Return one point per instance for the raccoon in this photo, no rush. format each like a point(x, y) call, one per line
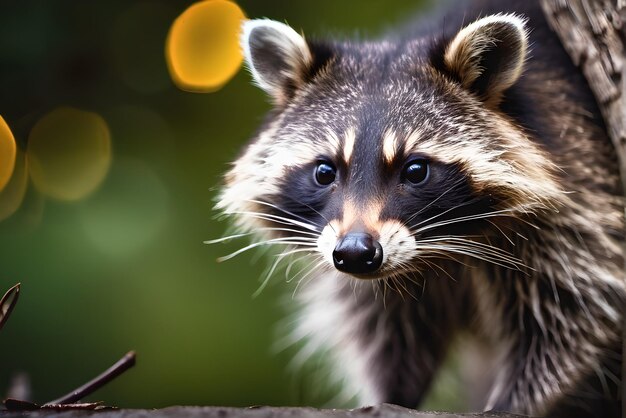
point(451, 177)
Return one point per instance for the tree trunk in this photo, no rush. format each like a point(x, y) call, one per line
point(594, 34)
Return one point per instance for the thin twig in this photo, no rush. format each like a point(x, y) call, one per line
point(118, 368)
point(7, 303)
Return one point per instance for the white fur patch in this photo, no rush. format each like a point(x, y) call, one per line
point(399, 248)
point(282, 37)
point(508, 161)
point(329, 324)
point(395, 239)
point(463, 54)
point(348, 144)
point(390, 145)
point(260, 170)
point(327, 241)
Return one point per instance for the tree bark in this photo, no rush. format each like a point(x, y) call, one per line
point(594, 34)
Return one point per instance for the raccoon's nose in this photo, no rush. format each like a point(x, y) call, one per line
point(358, 253)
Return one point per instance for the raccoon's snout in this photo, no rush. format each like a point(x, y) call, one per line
point(358, 253)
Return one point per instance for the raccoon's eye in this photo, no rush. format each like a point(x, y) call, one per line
point(416, 171)
point(325, 173)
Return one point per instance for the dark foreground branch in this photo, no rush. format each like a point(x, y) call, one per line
point(68, 402)
point(96, 383)
point(8, 302)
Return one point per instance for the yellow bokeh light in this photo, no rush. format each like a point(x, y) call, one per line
point(202, 48)
point(7, 153)
point(69, 153)
point(12, 196)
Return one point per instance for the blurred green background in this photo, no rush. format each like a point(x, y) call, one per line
point(125, 267)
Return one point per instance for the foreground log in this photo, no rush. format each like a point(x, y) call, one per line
point(386, 411)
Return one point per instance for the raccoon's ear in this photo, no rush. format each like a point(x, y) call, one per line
point(277, 56)
point(487, 56)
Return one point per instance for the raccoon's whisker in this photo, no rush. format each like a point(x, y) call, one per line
point(392, 281)
point(480, 255)
point(384, 287)
point(404, 276)
point(375, 288)
point(308, 274)
point(278, 219)
point(268, 275)
point(462, 240)
point(487, 248)
point(299, 250)
point(246, 234)
point(316, 211)
point(303, 269)
point(402, 265)
point(309, 240)
point(478, 246)
point(460, 205)
point(291, 264)
point(435, 266)
point(228, 238)
point(288, 221)
point(280, 257)
point(432, 217)
point(406, 269)
point(269, 228)
point(446, 256)
point(502, 232)
point(387, 285)
point(398, 282)
point(276, 241)
point(503, 212)
point(443, 254)
point(424, 285)
point(455, 184)
point(302, 218)
point(431, 265)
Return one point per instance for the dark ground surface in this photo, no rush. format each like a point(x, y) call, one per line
point(386, 411)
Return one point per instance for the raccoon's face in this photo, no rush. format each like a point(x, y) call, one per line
point(379, 156)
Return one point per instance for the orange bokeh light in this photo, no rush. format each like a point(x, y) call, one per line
point(202, 48)
point(7, 153)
